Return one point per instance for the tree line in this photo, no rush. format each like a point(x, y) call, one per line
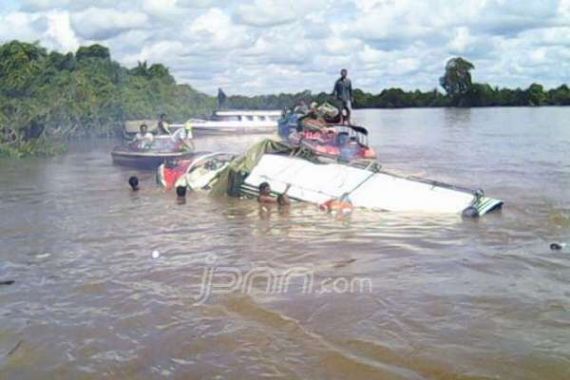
point(47, 97)
point(457, 83)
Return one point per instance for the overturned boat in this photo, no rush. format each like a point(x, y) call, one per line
point(162, 149)
point(310, 180)
point(197, 173)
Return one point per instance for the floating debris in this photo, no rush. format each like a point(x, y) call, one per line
point(13, 350)
point(557, 246)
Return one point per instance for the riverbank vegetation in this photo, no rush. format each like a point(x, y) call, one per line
point(47, 98)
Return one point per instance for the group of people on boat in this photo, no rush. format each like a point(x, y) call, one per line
point(144, 138)
point(326, 129)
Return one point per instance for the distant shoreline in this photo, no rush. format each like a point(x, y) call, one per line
point(47, 97)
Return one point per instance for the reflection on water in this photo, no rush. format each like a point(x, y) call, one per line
point(448, 298)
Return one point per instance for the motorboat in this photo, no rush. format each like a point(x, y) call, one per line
point(150, 156)
point(335, 142)
point(234, 122)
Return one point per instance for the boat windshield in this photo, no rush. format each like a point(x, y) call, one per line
point(160, 144)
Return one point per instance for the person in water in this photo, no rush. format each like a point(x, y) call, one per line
point(181, 195)
point(266, 198)
point(163, 126)
point(143, 138)
point(343, 92)
point(134, 183)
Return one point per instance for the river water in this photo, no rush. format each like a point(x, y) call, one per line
point(375, 295)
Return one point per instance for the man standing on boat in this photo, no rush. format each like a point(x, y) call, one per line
point(343, 92)
point(163, 126)
point(221, 99)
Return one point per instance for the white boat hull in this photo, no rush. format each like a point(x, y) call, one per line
point(224, 128)
point(231, 127)
point(317, 183)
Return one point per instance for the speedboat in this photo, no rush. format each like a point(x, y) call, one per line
point(309, 180)
point(340, 143)
point(196, 173)
point(234, 122)
point(162, 149)
point(343, 143)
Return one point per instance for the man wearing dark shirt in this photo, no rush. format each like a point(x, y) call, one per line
point(343, 92)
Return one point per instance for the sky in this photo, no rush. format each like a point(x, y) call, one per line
point(271, 46)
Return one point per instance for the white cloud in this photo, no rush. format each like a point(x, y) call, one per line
point(160, 8)
point(215, 30)
point(20, 25)
point(267, 46)
point(161, 51)
point(60, 32)
point(105, 23)
point(276, 12)
point(460, 41)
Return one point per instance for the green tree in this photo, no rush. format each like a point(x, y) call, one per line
point(457, 77)
point(559, 96)
point(93, 51)
point(536, 95)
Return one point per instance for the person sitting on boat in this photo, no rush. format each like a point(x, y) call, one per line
point(343, 92)
point(329, 137)
point(143, 138)
point(266, 198)
point(183, 136)
point(349, 149)
point(301, 108)
point(163, 126)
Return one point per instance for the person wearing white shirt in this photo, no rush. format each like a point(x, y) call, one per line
point(144, 138)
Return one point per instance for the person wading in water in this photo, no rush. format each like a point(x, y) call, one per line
point(266, 198)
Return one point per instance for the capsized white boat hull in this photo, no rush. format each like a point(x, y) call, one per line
point(317, 183)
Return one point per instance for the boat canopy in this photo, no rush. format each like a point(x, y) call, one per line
point(244, 164)
point(359, 129)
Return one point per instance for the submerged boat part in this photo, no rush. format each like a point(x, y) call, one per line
point(318, 183)
point(197, 173)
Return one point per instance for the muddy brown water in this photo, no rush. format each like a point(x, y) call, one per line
point(239, 292)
